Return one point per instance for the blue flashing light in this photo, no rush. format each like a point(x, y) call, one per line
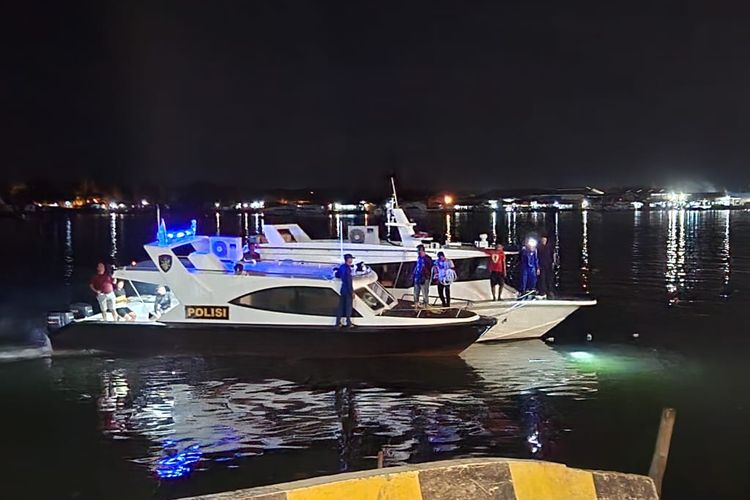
point(166, 238)
point(178, 464)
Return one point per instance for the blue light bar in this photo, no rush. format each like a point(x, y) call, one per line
point(166, 238)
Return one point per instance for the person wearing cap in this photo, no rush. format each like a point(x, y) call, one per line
point(529, 266)
point(344, 273)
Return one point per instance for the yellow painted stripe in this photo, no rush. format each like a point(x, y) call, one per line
point(550, 481)
point(403, 486)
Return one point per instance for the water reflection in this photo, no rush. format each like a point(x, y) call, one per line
point(448, 226)
point(113, 237)
point(68, 252)
point(200, 414)
point(556, 236)
point(726, 254)
point(675, 265)
point(510, 221)
point(493, 224)
point(259, 221)
point(217, 217)
point(585, 271)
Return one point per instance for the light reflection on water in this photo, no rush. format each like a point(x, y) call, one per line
point(113, 237)
point(68, 251)
point(497, 399)
point(585, 249)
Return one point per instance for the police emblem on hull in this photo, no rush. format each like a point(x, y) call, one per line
point(165, 262)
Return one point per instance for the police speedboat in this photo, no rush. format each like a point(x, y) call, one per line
point(272, 308)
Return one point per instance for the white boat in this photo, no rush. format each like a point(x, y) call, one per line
point(517, 317)
point(274, 308)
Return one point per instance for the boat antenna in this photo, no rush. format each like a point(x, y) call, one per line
point(158, 217)
point(395, 198)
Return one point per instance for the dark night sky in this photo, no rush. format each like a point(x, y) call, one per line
point(450, 94)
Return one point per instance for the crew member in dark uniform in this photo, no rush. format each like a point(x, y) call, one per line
point(546, 254)
point(344, 273)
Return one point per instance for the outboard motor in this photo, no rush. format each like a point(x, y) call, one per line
point(81, 310)
point(59, 319)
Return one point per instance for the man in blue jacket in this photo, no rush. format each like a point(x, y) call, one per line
point(344, 273)
point(529, 266)
point(422, 276)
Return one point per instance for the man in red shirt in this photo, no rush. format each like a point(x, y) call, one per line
point(497, 271)
point(103, 286)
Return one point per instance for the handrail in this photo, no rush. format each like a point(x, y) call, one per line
point(464, 307)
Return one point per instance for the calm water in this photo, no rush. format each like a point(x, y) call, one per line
point(87, 427)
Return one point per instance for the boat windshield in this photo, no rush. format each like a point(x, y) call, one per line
point(382, 293)
point(369, 298)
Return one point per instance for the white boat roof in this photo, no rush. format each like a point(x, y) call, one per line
point(275, 268)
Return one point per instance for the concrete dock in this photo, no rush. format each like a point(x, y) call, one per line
point(476, 479)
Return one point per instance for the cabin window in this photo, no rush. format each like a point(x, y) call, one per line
point(475, 268)
point(382, 293)
point(292, 299)
point(287, 236)
point(405, 278)
point(387, 273)
point(369, 299)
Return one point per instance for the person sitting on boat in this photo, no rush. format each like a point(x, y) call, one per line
point(422, 276)
point(444, 274)
point(344, 273)
point(252, 254)
point(103, 286)
point(497, 270)
point(121, 303)
point(162, 302)
point(529, 266)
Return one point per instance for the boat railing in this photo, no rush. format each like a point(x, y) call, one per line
point(434, 307)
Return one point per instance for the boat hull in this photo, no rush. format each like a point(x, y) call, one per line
point(525, 319)
point(299, 342)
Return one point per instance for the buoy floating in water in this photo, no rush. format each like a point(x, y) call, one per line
point(589, 337)
point(636, 335)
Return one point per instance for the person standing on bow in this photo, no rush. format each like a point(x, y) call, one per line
point(422, 276)
point(344, 273)
point(103, 286)
point(529, 266)
point(444, 274)
point(546, 254)
point(497, 271)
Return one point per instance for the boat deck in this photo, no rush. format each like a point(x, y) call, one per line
point(406, 309)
